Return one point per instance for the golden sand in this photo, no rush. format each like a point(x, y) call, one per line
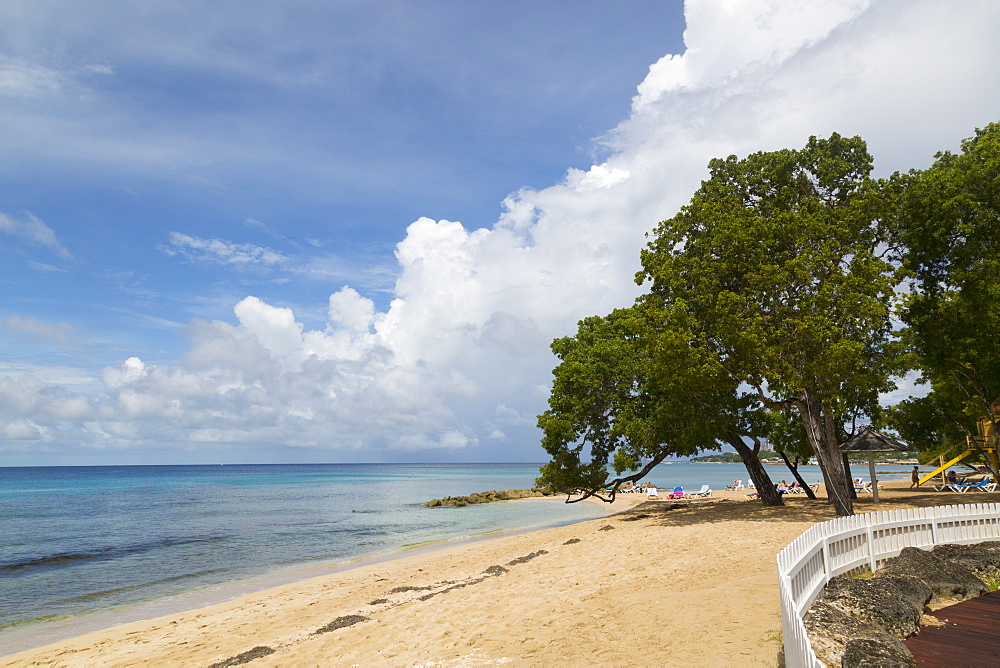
point(661, 583)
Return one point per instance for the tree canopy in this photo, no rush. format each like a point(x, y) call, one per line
point(777, 259)
point(631, 390)
point(946, 233)
point(771, 294)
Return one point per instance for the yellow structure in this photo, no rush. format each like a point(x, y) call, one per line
point(983, 442)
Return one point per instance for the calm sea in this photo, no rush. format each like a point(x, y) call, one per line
point(83, 548)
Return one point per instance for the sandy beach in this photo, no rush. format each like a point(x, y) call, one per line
point(659, 583)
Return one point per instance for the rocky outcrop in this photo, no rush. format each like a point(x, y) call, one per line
point(893, 603)
point(489, 497)
point(866, 653)
point(983, 559)
point(861, 621)
point(841, 640)
point(950, 582)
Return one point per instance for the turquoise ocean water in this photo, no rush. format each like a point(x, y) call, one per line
point(83, 548)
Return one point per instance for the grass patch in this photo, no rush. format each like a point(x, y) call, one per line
point(769, 637)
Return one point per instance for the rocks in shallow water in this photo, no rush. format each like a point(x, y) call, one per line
point(948, 580)
point(489, 497)
point(893, 603)
point(837, 637)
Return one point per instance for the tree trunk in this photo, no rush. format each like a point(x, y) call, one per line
point(849, 476)
point(822, 435)
point(795, 472)
point(765, 488)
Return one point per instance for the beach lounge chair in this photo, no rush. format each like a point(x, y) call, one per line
point(866, 486)
point(704, 491)
point(752, 495)
point(984, 485)
point(678, 493)
point(651, 493)
point(862, 485)
point(737, 485)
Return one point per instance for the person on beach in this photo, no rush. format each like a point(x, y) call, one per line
point(952, 478)
point(915, 476)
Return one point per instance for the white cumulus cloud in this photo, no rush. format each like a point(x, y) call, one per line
point(458, 360)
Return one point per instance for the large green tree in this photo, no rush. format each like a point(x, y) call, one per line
point(946, 231)
point(629, 392)
point(776, 260)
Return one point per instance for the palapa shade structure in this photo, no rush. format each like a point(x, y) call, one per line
point(871, 442)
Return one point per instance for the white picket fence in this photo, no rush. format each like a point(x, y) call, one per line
point(861, 543)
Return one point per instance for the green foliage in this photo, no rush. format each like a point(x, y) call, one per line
point(922, 422)
point(770, 297)
point(946, 231)
point(596, 400)
point(622, 398)
point(776, 257)
point(786, 434)
point(776, 262)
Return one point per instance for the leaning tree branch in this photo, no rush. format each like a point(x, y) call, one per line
point(618, 482)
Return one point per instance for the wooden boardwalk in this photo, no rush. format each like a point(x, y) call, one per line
point(970, 637)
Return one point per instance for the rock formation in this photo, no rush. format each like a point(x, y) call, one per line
point(860, 621)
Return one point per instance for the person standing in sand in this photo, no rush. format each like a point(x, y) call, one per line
point(914, 477)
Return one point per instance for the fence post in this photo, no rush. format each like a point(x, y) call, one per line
point(870, 535)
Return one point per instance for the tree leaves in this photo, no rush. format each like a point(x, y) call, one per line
point(946, 235)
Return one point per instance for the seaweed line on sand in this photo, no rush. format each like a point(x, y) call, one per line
point(350, 620)
point(245, 657)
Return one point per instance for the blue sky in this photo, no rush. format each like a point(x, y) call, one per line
point(315, 131)
point(347, 231)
